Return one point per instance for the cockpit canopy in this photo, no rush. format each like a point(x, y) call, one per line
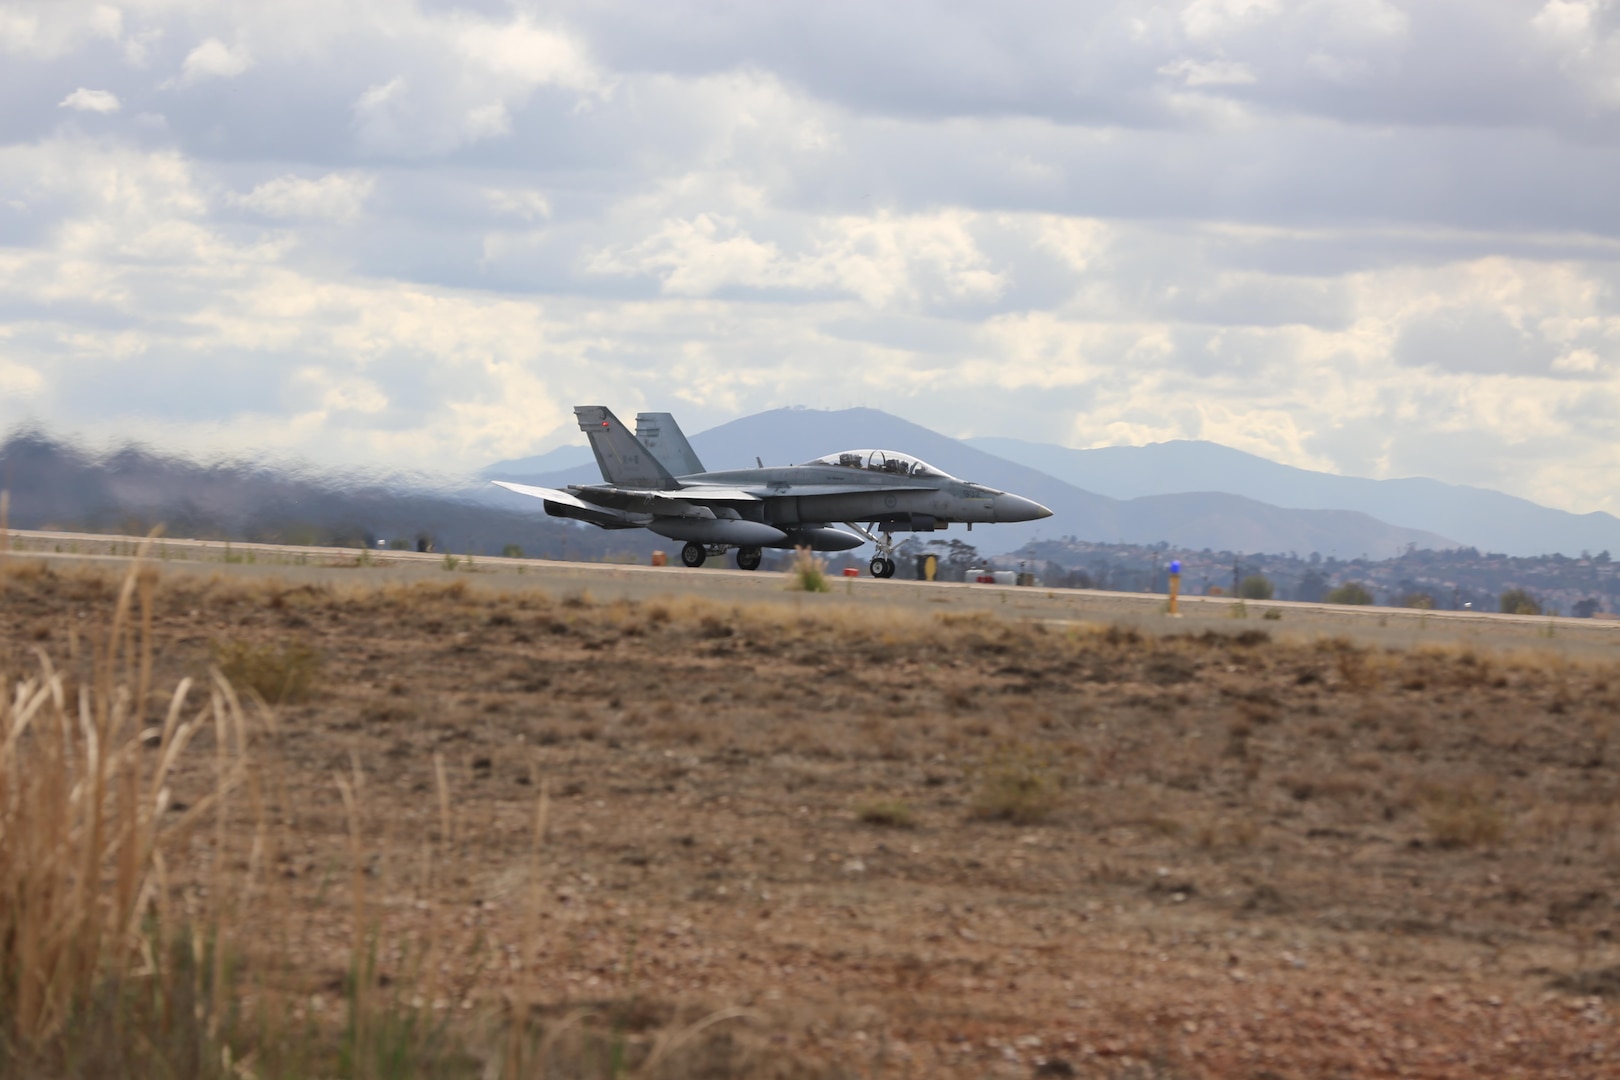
point(884, 461)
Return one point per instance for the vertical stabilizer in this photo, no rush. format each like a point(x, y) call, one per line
point(621, 458)
point(662, 436)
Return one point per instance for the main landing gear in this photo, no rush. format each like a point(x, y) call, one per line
point(882, 567)
point(694, 554)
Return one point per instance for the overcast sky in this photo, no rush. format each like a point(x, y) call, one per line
point(1376, 237)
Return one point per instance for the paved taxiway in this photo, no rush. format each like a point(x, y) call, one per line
point(1592, 638)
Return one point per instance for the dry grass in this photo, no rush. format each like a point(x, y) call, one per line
point(1017, 783)
point(89, 938)
point(1462, 817)
point(808, 573)
point(278, 672)
point(1206, 805)
point(890, 813)
point(121, 956)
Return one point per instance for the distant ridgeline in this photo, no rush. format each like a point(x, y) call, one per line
point(55, 485)
point(1442, 580)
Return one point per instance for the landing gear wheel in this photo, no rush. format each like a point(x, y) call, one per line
point(693, 554)
point(888, 569)
point(882, 567)
point(748, 558)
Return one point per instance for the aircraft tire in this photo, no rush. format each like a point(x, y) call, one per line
point(693, 554)
point(748, 558)
point(881, 567)
point(889, 568)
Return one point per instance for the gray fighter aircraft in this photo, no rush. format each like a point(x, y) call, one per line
point(653, 480)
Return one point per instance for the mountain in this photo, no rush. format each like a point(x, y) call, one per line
point(1220, 522)
point(564, 457)
point(1478, 517)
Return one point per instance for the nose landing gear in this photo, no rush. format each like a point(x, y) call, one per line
point(882, 565)
point(748, 558)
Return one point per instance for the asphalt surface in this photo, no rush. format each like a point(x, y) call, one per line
point(1392, 627)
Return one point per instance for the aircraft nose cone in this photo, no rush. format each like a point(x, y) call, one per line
point(1018, 508)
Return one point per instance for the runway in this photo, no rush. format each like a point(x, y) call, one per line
point(351, 567)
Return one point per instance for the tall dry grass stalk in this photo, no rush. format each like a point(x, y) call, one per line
point(84, 795)
point(136, 940)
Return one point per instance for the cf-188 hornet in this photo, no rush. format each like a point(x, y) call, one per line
point(653, 480)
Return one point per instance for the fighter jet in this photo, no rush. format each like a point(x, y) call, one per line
point(653, 480)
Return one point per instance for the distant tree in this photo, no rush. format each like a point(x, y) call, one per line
point(1311, 587)
point(956, 558)
point(512, 551)
point(1585, 609)
point(1256, 587)
point(1351, 592)
point(1519, 602)
point(1420, 600)
point(1058, 576)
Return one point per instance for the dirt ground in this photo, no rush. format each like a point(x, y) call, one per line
point(920, 846)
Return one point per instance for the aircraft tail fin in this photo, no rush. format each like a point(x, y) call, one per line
point(663, 438)
point(621, 458)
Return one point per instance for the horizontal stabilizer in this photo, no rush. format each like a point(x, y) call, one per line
point(565, 504)
point(549, 494)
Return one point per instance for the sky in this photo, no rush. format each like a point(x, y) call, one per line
point(1374, 237)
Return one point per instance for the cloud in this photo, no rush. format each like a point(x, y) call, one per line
point(487, 121)
point(527, 205)
point(531, 55)
point(1473, 339)
point(1216, 18)
point(20, 380)
point(213, 59)
point(483, 73)
point(884, 261)
point(99, 101)
point(50, 30)
point(335, 197)
point(1209, 72)
point(1343, 233)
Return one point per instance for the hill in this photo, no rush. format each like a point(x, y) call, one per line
point(1478, 517)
